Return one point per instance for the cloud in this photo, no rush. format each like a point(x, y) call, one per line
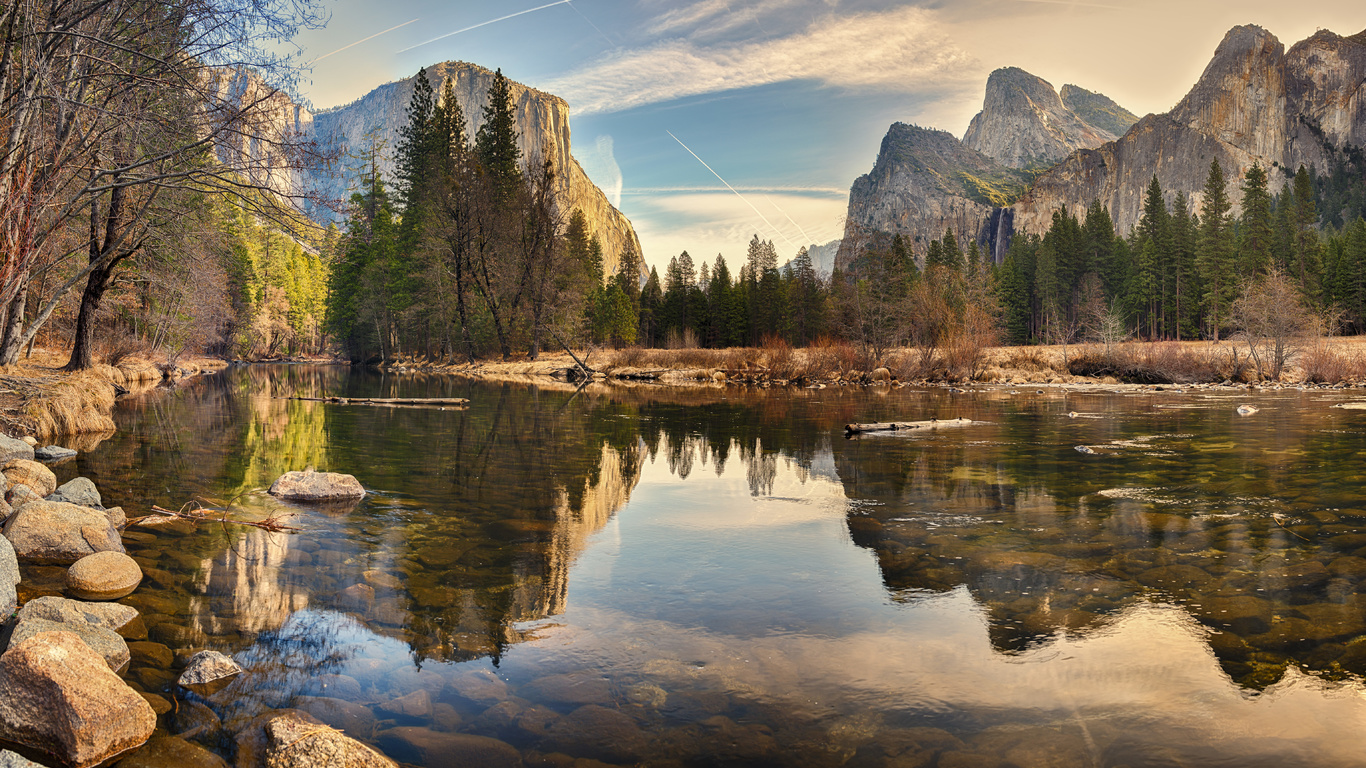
point(899, 51)
point(786, 189)
point(600, 163)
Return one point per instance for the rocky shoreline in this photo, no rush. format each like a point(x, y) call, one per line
point(63, 698)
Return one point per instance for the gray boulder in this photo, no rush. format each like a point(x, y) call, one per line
point(48, 532)
point(208, 667)
point(53, 453)
point(59, 697)
point(9, 576)
point(80, 491)
point(310, 485)
point(11, 449)
point(10, 759)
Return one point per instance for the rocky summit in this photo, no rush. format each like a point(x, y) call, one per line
point(1256, 102)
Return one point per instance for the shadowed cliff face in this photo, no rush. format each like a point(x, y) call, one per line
point(543, 133)
point(1023, 123)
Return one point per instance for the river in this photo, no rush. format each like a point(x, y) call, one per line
point(717, 576)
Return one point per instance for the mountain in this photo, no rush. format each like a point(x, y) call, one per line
point(1024, 123)
point(924, 182)
point(1255, 102)
point(822, 257)
point(542, 126)
point(1097, 110)
point(543, 132)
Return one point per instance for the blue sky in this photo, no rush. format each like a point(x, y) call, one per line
point(787, 100)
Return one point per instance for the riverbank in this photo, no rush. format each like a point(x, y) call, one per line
point(38, 398)
point(1328, 362)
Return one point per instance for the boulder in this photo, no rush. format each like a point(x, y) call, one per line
point(64, 611)
point(310, 485)
point(48, 532)
point(31, 473)
point(103, 576)
point(20, 495)
point(80, 491)
point(102, 640)
point(9, 576)
point(172, 752)
point(59, 697)
point(10, 759)
point(206, 668)
point(5, 509)
point(11, 449)
point(53, 453)
point(297, 740)
point(416, 705)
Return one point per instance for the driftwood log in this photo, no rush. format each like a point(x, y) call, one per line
point(895, 426)
point(385, 400)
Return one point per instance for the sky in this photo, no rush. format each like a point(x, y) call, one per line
point(709, 121)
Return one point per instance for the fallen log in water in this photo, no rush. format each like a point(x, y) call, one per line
point(896, 426)
point(385, 400)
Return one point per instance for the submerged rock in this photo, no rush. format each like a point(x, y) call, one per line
point(172, 752)
point(297, 740)
point(207, 668)
point(80, 491)
point(55, 532)
point(59, 697)
point(310, 485)
point(29, 472)
point(103, 576)
point(447, 750)
point(1247, 410)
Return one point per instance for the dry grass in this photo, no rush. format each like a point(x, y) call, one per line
point(80, 403)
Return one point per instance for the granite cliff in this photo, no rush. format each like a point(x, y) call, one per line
point(1255, 102)
point(542, 125)
point(1025, 124)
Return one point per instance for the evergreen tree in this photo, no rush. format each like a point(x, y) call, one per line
point(1215, 258)
point(495, 143)
point(1305, 217)
point(1256, 230)
point(1185, 239)
point(1154, 248)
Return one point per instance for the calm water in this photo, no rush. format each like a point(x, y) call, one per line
point(719, 577)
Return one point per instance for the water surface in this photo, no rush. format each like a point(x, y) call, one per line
point(718, 577)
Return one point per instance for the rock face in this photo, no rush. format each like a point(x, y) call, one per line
point(1024, 123)
point(1255, 102)
point(56, 532)
point(59, 697)
point(103, 576)
point(309, 485)
point(925, 181)
point(543, 132)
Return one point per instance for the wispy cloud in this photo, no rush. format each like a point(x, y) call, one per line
point(781, 189)
point(895, 50)
point(599, 161)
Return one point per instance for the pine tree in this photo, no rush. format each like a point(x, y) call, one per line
point(1214, 260)
point(1256, 235)
point(495, 144)
point(1307, 255)
point(1154, 247)
point(417, 139)
point(1185, 238)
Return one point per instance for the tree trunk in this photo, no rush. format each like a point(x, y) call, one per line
point(83, 344)
point(12, 343)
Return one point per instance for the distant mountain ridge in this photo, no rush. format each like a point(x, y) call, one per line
point(1255, 102)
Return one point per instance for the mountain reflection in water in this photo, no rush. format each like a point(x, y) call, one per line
point(717, 576)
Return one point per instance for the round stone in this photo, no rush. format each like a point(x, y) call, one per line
point(103, 576)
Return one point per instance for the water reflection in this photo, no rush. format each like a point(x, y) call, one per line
point(718, 576)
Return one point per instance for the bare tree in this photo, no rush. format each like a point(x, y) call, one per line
point(106, 106)
point(1274, 322)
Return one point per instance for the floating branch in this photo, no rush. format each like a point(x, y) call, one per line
point(271, 524)
point(897, 426)
point(384, 400)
